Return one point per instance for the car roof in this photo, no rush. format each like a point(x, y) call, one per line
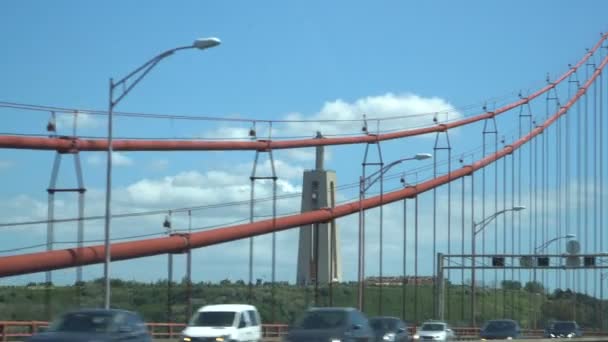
point(349, 309)
point(388, 318)
point(99, 310)
point(227, 307)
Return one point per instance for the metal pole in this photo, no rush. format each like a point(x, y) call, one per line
point(403, 280)
point(473, 324)
point(169, 275)
point(440, 287)
point(170, 288)
point(316, 257)
point(416, 256)
point(108, 217)
point(360, 256)
point(381, 229)
point(462, 235)
point(189, 270)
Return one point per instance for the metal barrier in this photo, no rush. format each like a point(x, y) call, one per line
point(17, 330)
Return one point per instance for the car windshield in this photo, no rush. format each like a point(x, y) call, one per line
point(383, 324)
point(322, 320)
point(499, 326)
point(213, 319)
point(89, 322)
point(564, 326)
point(432, 327)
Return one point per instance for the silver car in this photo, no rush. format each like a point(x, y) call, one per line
point(434, 331)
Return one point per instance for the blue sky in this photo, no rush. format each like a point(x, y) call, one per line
point(277, 60)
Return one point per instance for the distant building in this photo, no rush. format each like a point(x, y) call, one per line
point(398, 280)
point(318, 247)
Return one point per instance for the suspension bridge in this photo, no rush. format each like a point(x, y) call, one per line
point(534, 179)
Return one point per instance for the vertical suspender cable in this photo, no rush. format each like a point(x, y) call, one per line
point(462, 251)
point(416, 259)
point(504, 231)
point(403, 279)
point(585, 178)
point(473, 284)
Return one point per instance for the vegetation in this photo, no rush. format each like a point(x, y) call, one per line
point(528, 304)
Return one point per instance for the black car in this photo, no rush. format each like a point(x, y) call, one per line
point(500, 329)
point(331, 324)
point(98, 325)
point(563, 329)
point(389, 329)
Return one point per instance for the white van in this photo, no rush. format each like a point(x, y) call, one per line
point(226, 322)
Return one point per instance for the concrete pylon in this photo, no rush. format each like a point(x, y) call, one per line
point(318, 191)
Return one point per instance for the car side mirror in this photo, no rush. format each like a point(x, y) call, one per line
point(125, 329)
point(400, 330)
point(356, 326)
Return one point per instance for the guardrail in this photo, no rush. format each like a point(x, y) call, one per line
point(18, 330)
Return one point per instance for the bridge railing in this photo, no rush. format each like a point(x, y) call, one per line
point(17, 330)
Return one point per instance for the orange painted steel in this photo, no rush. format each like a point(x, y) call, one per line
point(57, 259)
point(70, 144)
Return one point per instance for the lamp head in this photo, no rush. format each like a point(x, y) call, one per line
point(205, 43)
point(570, 236)
point(519, 208)
point(422, 156)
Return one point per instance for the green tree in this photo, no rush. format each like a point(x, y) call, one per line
point(511, 285)
point(534, 287)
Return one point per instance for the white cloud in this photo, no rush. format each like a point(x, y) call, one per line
point(118, 159)
point(407, 107)
point(84, 121)
point(408, 110)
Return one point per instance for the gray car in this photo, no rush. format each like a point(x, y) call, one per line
point(98, 325)
point(391, 329)
point(331, 325)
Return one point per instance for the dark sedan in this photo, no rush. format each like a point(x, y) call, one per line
point(331, 325)
point(389, 329)
point(500, 329)
point(95, 325)
point(566, 329)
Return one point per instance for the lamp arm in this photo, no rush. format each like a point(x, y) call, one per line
point(487, 221)
point(146, 67)
point(381, 172)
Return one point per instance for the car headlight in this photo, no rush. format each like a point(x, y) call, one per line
point(335, 340)
point(552, 335)
point(437, 337)
point(509, 338)
point(186, 339)
point(416, 337)
point(389, 337)
point(224, 338)
point(570, 335)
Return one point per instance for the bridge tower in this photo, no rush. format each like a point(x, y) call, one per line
point(319, 250)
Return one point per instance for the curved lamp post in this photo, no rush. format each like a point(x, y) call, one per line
point(137, 75)
point(547, 243)
point(476, 228)
point(364, 185)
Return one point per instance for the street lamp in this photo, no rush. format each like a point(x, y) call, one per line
point(364, 185)
point(476, 228)
point(138, 74)
point(547, 243)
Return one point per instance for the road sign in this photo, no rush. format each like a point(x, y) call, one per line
point(526, 261)
point(573, 261)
